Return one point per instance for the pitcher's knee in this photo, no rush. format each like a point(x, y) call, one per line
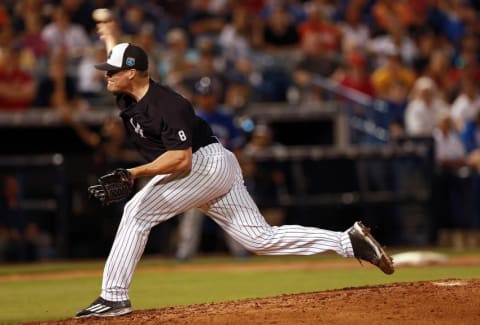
point(261, 244)
point(259, 249)
point(139, 221)
point(128, 208)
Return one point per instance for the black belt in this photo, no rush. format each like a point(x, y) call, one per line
point(208, 141)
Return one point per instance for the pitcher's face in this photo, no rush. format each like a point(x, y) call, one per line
point(118, 81)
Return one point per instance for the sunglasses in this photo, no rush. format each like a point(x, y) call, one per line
point(112, 73)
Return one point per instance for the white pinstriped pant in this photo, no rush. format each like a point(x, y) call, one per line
point(215, 185)
point(190, 232)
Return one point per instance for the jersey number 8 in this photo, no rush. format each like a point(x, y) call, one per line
point(182, 135)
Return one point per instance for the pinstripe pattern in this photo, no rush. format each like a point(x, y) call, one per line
point(215, 184)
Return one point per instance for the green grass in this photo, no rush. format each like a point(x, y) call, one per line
point(42, 298)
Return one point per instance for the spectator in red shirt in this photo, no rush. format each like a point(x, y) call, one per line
point(317, 23)
point(32, 38)
point(356, 75)
point(17, 87)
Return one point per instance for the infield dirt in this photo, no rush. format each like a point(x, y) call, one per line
point(449, 301)
point(437, 302)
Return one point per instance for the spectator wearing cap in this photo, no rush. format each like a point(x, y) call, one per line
point(450, 152)
point(424, 108)
point(17, 86)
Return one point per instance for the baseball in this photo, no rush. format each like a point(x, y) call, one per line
point(102, 15)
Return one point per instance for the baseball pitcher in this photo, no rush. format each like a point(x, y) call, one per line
point(188, 169)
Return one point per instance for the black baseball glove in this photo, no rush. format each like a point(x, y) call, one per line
point(112, 187)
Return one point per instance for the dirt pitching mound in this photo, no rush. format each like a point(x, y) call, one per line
point(450, 301)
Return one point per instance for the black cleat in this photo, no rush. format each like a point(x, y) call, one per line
point(366, 248)
point(104, 308)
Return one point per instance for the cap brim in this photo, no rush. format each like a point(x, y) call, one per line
point(107, 67)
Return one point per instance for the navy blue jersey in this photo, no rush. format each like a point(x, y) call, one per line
point(162, 120)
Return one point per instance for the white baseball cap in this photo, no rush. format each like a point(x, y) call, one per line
point(125, 56)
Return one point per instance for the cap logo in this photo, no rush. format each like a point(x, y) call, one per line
point(130, 61)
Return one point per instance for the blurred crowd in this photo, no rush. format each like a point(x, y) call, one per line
point(254, 50)
point(421, 57)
